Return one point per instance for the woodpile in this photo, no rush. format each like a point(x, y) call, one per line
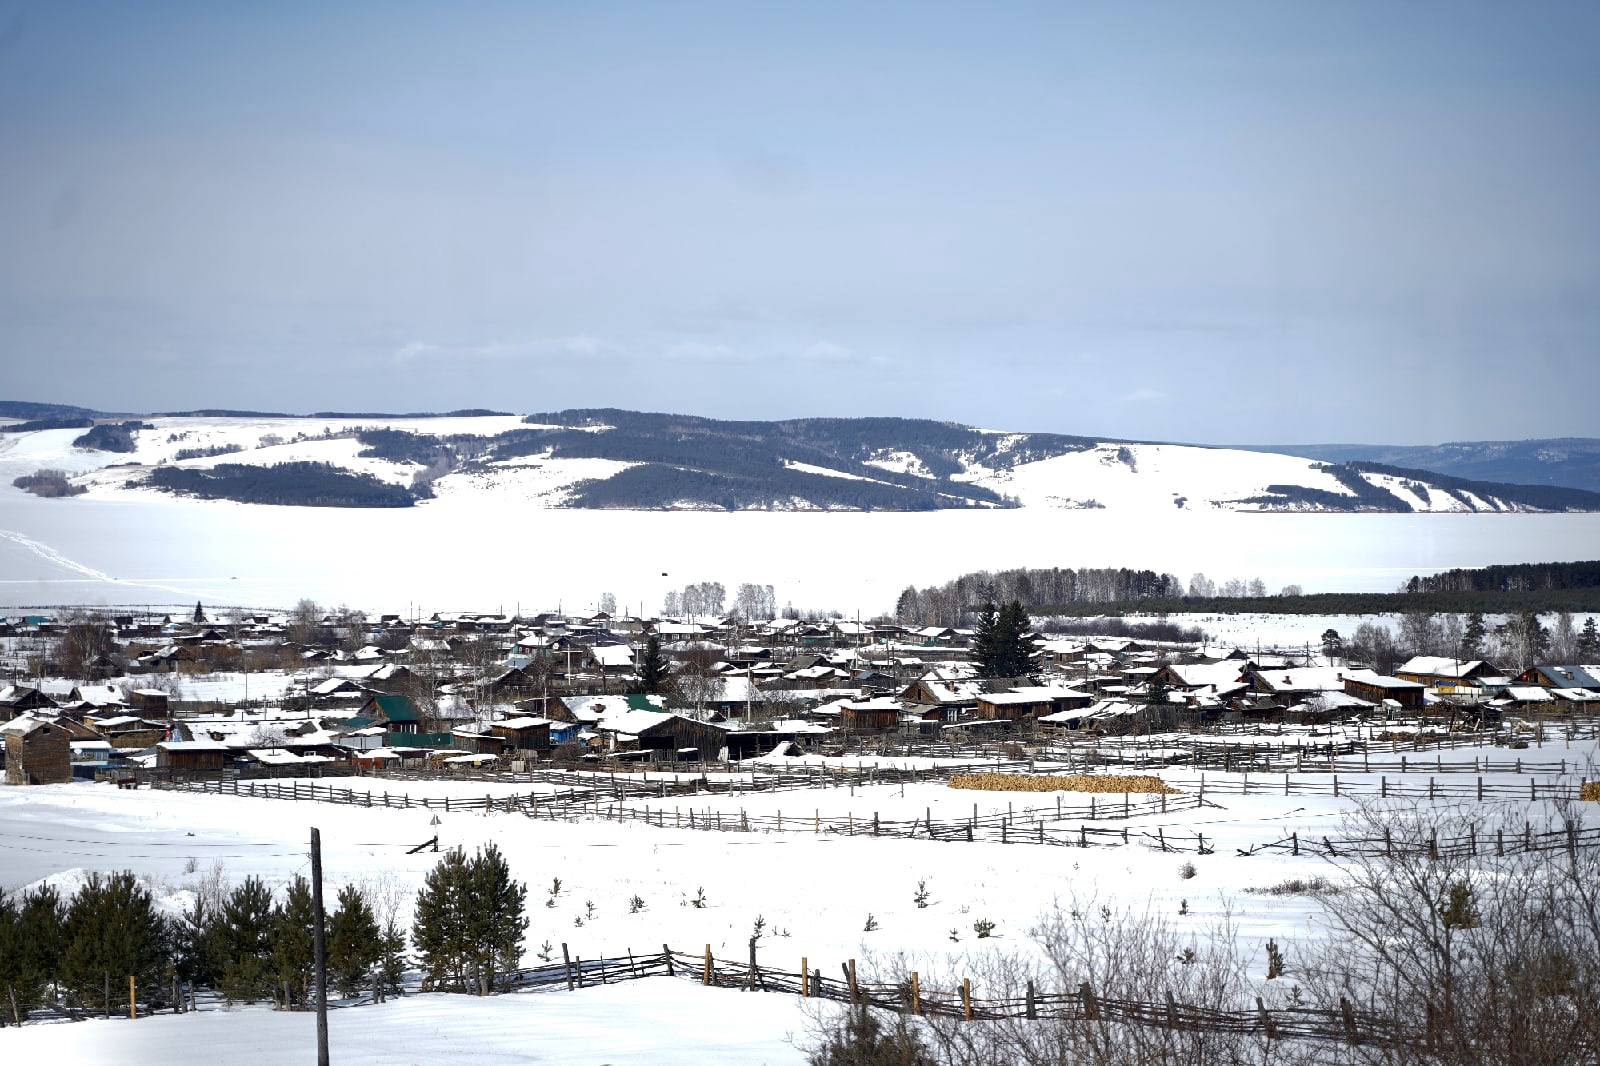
point(1589, 790)
point(997, 782)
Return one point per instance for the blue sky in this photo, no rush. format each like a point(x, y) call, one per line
point(1253, 222)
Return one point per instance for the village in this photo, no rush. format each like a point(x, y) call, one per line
point(158, 696)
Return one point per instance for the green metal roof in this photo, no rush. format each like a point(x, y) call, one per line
point(397, 708)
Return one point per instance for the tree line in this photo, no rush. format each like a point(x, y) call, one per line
point(299, 484)
point(1067, 592)
point(251, 944)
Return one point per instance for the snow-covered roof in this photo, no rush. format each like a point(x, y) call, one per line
point(612, 654)
point(1439, 666)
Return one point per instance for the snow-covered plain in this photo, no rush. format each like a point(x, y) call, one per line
point(471, 551)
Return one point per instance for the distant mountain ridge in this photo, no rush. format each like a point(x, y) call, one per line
point(605, 458)
point(1571, 462)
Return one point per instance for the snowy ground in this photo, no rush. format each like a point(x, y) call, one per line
point(814, 894)
point(658, 1020)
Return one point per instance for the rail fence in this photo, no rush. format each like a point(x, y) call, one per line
point(1082, 1005)
point(1346, 1024)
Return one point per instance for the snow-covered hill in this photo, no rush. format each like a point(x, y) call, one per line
point(795, 466)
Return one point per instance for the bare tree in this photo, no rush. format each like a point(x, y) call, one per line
point(1465, 956)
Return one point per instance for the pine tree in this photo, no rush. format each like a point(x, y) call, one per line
point(500, 916)
point(470, 919)
point(21, 984)
point(391, 961)
point(112, 927)
point(41, 931)
point(653, 670)
point(244, 942)
point(354, 942)
point(439, 928)
point(292, 958)
point(1332, 644)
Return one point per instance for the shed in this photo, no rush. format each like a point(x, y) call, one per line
point(875, 715)
point(523, 733)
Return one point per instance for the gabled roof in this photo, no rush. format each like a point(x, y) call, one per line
point(395, 708)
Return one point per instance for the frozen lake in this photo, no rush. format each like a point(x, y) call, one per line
point(471, 554)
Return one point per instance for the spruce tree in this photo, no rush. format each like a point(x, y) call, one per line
point(1472, 636)
point(986, 643)
point(244, 942)
point(354, 942)
point(292, 958)
point(113, 928)
point(1588, 641)
point(653, 672)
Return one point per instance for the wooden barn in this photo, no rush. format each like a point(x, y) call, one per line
point(192, 756)
point(1379, 688)
point(667, 737)
point(37, 752)
point(524, 734)
point(148, 703)
point(870, 716)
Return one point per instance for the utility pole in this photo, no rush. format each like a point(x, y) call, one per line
point(320, 948)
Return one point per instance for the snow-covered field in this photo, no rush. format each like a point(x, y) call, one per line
point(826, 897)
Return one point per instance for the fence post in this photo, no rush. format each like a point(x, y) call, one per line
point(916, 994)
point(1032, 1011)
point(850, 977)
point(805, 978)
point(1266, 1020)
point(666, 953)
point(1172, 1011)
point(566, 962)
point(966, 999)
point(1348, 1015)
point(705, 976)
point(1091, 1005)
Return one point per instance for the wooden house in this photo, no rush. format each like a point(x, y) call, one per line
point(38, 752)
point(1445, 675)
point(397, 713)
point(22, 699)
point(1562, 677)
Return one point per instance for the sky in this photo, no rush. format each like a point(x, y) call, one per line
point(1228, 222)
